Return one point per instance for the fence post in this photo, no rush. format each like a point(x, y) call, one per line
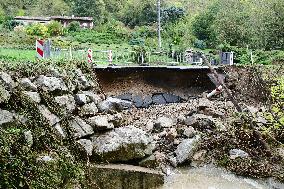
point(90, 56)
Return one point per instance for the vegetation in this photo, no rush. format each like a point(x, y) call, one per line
point(244, 27)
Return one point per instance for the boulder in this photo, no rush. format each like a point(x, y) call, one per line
point(59, 130)
point(83, 83)
point(89, 109)
point(91, 96)
point(138, 101)
point(82, 99)
point(147, 101)
point(32, 96)
point(204, 103)
point(100, 123)
point(51, 84)
point(153, 161)
point(170, 98)
point(214, 112)
point(189, 132)
point(185, 149)
point(66, 103)
point(86, 146)
point(48, 116)
point(111, 105)
point(163, 122)
point(6, 80)
point(79, 128)
point(121, 144)
point(237, 153)
point(28, 85)
point(201, 122)
point(116, 119)
point(4, 95)
point(127, 97)
point(158, 99)
point(6, 117)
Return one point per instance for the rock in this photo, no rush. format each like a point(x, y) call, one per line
point(28, 85)
point(116, 119)
point(158, 99)
point(199, 156)
point(138, 101)
point(252, 110)
point(261, 120)
point(59, 130)
point(100, 123)
point(28, 138)
point(6, 117)
point(149, 126)
point(83, 83)
point(147, 101)
point(149, 162)
point(171, 98)
point(201, 122)
point(171, 134)
point(4, 95)
point(125, 176)
point(214, 112)
point(163, 122)
point(189, 132)
point(111, 105)
point(127, 97)
point(79, 128)
point(237, 153)
point(82, 99)
point(86, 146)
point(204, 103)
point(154, 160)
point(89, 109)
point(91, 97)
point(173, 161)
point(51, 84)
point(33, 96)
point(6, 80)
point(121, 144)
point(274, 184)
point(44, 159)
point(47, 115)
point(66, 103)
point(185, 150)
point(181, 119)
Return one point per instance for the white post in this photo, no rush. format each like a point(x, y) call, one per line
point(159, 24)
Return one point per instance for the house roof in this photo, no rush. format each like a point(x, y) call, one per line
point(72, 18)
point(32, 18)
point(53, 18)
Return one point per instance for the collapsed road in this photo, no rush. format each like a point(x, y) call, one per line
point(151, 85)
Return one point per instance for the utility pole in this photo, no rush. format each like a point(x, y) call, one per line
point(159, 24)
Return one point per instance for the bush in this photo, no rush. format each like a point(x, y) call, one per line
point(37, 29)
point(74, 26)
point(55, 28)
point(10, 24)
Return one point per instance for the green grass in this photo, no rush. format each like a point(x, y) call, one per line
point(17, 54)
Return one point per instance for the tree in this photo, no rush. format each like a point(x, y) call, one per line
point(93, 8)
point(50, 8)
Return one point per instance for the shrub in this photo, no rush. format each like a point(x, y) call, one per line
point(74, 26)
point(37, 29)
point(55, 28)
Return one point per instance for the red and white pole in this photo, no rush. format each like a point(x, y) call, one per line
point(90, 56)
point(216, 91)
point(110, 56)
point(40, 49)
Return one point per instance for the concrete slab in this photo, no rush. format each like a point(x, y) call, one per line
point(126, 177)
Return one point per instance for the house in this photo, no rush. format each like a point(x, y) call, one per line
point(85, 22)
